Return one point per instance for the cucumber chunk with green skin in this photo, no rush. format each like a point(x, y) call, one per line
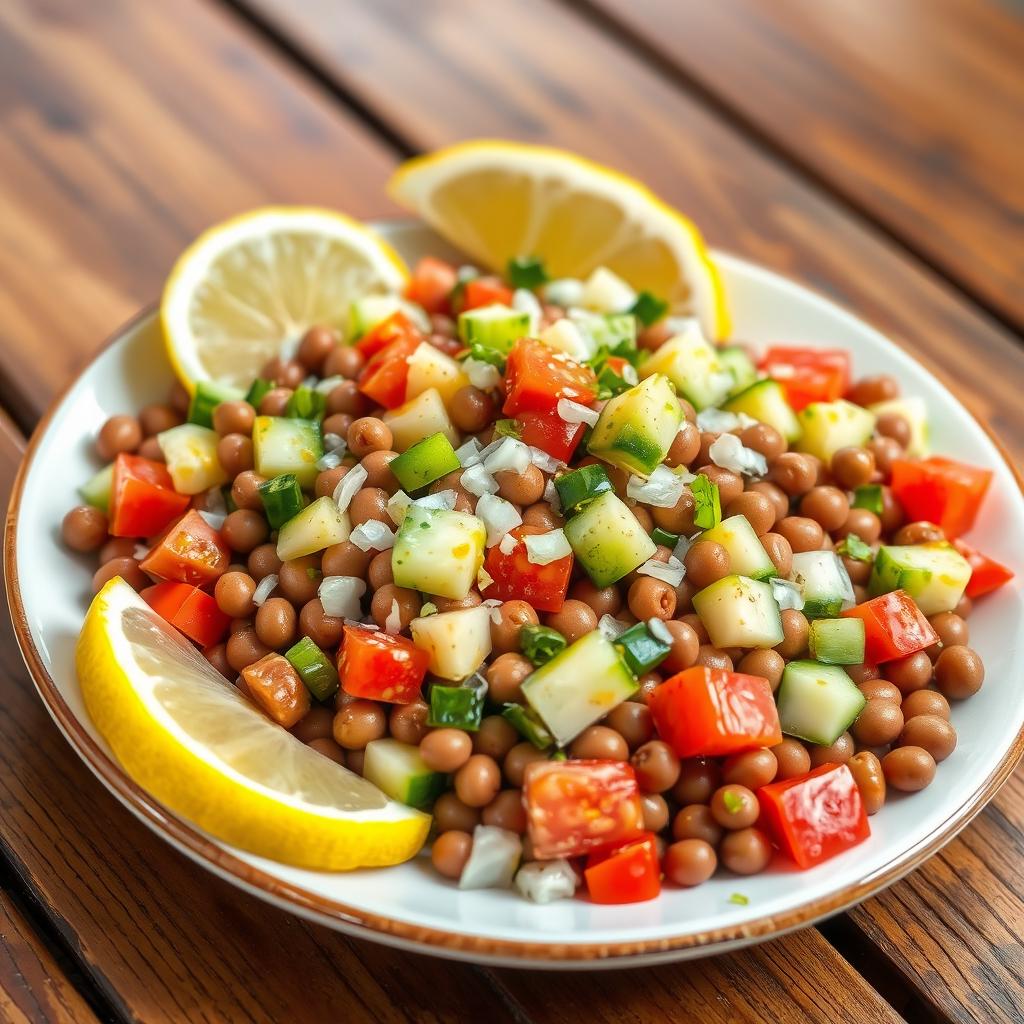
point(828, 426)
point(837, 641)
point(281, 444)
point(282, 499)
point(736, 359)
point(580, 486)
point(935, 575)
point(426, 461)
point(607, 539)
point(817, 703)
point(765, 400)
point(315, 669)
point(96, 490)
point(615, 332)
point(206, 397)
point(398, 771)
point(458, 707)
point(438, 551)
point(316, 527)
point(747, 556)
point(740, 612)
point(257, 391)
point(579, 686)
point(366, 313)
point(636, 429)
point(823, 582)
point(915, 412)
point(495, 327)
point(693, 366)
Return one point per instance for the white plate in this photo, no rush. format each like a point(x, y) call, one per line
point(409, 905)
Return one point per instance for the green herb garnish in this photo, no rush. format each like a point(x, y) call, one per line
point(483, 354)
point(707, 504)
point(306, 404)
point(526, 272)
point(541, 643)
point(664, 538)
point(507, 428)
point(733, 802)
point(648, 308)
point(739, 899)
point(869, 496)
point(854, 547)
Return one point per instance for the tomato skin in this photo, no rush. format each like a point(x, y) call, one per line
point(381, 667)
point(189, 609)
point(191, 551)
point(574, 807)
point(627, 873)
point(536, 377)
point(549, 432)
point(808, 374)
point(711, 712)
point(516, 578)
point(142, 497)
point(277, 689)
point(986, 573)
point(385, 376)
point(431, 284)
point(397, 327)
point(816, 816)
point(940, 491)
point(893, 627)
point(484, 291)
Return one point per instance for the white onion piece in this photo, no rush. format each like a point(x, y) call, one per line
point(574, 412)
point(682, 324)
point(330, 460)
point(629, 374)
point(565, 292)
point(717, 421)
point(660, 631)
point(544, 548)
point(787, 594)
point(662, 489)
point(348, 486)
point(309, 381)
point(611, 628)
point(265, 588)
point(671, 572)
point(507, 544)
point(393, 623)
point(481, 375)
point(479, 481)
point(328, 384)
point(213, 519)
point(683, 545)
point(524, 301)
point(493, 860)
point(466, 272)
point(498, 515)
point(340, 596)
point(544, 462)
point(141, 552)
point(398, 507)
point(442, 499)
point(729, 452)
point(468, 454)
point(509, 455)
point(332, 442)
point(551, 495)
point(495, 608)
point(215, 502)
point(373, 535)
point(542, 881)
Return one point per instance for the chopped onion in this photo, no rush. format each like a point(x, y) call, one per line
point(565, 292)
point(682, 324)
point(498, 515)
point(398, 507)
point(215, 502)
point(660, 631)
point(718, 421)
point(265, 589)
point(495, 608)
point(507, 544)
point(393, 623)
point(671, 572)
point(544, 462)
point(469, 453)
point(524, 301)
point(478, 480)
point(663, 489)
point(629, 374)
point(466, 272)
point(310, 381)
point(611, 628)
point(493, 859)
point(348, 486)
point(574, 412)
point(213, 519)
point(330, 460)
point(683, 545)
point(729, 452)
point(551, 495)
point(544, 548)
point(373, 535)
point(442, 499)
point(328, 384)
point(481, 375)
point(509, 455)
point(543, 881)
point(787, 594)
point(332, 442)
point(340, 596)
point(140, 553)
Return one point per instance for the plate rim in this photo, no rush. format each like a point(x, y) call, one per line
point(437, 941)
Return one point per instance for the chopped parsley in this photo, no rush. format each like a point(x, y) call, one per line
point(854, 547)
point(484, 354)
point(526, 272)
point(707, 504)
point(507, 428)
point(648, 308)
point(739, 899)
point(869, 496)
point(541, 643)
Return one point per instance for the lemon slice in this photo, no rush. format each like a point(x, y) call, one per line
point(499, 200)
point(186, 735)
point(246, 290)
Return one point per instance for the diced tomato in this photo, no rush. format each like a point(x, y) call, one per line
point(713, 713)
point(986, 573)
point(385, 376)
point(893, 627)
point(815, 816)
point(549, 432)
point(941, 491)
point(397, 327)
point(142, 497)
point(537, 376)
point(380, 666)
point(516, 578)
point(189, 609)
point(277, 689)
point(191, 551)
point(617, 365)
point(431, 284)
point(484, 291)
point(574, 807)
point(808, 374)
point(627, 873)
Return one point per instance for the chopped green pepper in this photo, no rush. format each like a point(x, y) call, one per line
point(541, 643)
point(528, 725)
point(507, 428)
point(460, 707)
point(426, 461)
point(526, 272)
point(853, 547)
point(663, 537)
point(580, 486)
point(306, 404)
point(640, 649)
point(869, 496)
point(282, 499)
point(707, 503)
point(259, 387)
point(314, 667)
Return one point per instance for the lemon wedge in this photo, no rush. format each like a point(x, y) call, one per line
point(499, 200)
point(186, 735)
point(246, 290)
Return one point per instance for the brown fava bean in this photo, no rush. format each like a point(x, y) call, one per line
point(765, 663)
point(317, 723)
point(328, 748)
point(150, 449)
point(632, 721)
point(233, 593)
point(886, 451)
point(796, 630)
point(543, 515)
point(863, 673)
point(792, 759)
point(711, 657)
point(695, 821)
point(952, 629)
point(478, 780)
point(599, 743)
point(344, 559)
point(521, 488)
point(685, 647)
point(84, 528)
point(450, 853)
point(775, 494)
point(504, 677)
point(685, 446)
point(678, 518)
point(345, 398)
point(244, 649)
point(275, 402)
point(863, 523)
point(747, 851)
point(263, 561)
point(779, 551)
point(729, 484)
point(316, 345)
point(471, 409)
point(706, 562)
point(155, 419)
point(930, 732)
point(516, 760)
point(323, 629)
point(689, 862)
point(506, 811)
point(217, 656)
point(276, 620)
point(127, 568)
point(495, 737)
point(655, 811)
point(794, 473)
point(245, 491)
point(920, 532)
point(378, 470)
point(836, 753)
point(450, 813)
point(867, 773)
point(803, 534)
point(389, 598)
point(764, 439)
point(657, 766)
point(827, 506)
point(344, 361)
point(511, 617)
point(910, 673)
point(755, 508)
point(752, 768)
point(407, 723)
point(871, 390)
point(882, 689)
point(446, 750)
point(734, 806)
point(574, 620)
point(699, 777)
point(908, 769)
point(925, 702)
point(299, 578)
point(852, 467)
point(358, 723)
point(604, 600)
point(878, 724)
point(964, 607)
point(369, 503)
point(650, 598)
point(234, 453)
point(892, 424)
point(116, 547)
point(379, 573)
point(369, 434)
point(118, 434)
point(233, 418)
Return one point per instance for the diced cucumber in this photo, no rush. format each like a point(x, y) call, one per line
point(739, 612)
point(607, 539)
point(823, 582)
point(429, 367)
point(458, 707)
point(747, 556)
point(364, 314)
point(282, 499)
point(817, 703)
point(438, 551)
point(935, 575)
point(282, 445)
point(398, 771)
point(636, 429)
point(306, 404)
point(837, 641)
point(915, 412)
point(736, 359)
point(828, 426)
point(257, 390)
point(580, 486)
point(615, 332)
point(579, 686)
point(640, 649)
point(191, 456)
point(457, 641)
point(496, 327)
point(765, 400)
point(426, 461)
point(206, 397)
point(419, 418)
point(528, 724)
point(315, 669)
point(693, 366)
point(96, 490)
point(605, 292)
point(317, 526)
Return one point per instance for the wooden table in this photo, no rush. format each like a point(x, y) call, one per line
point(870, 148)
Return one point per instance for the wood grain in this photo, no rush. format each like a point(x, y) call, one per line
point(911, 111)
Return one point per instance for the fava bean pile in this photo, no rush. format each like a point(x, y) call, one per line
point(544, 580)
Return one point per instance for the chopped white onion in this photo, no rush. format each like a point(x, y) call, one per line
point(340, 596)
point(373, 535)
point(264, 589)
point(683, 545)
point(393, 623)
point(662, 489)
point(468, 454)
point(466, 272)
point(682, 324)
point(629, 374)
point(481, 375)
point(574, 412)
point(498, 515)
point(671, 572)
point(660, 631)
point(442, 499)
point(544, 548)
point(551, 495)
point(398, 507)
point(330, 460)
point(332, 442)
point(310, 381)
point(787, 594)
point(348, 486)
point(495, 608)
point(606, 292)
point(509, 455)
point(213, 519)
point(140, 553)
point(215, 502)
point(542, 881)
point(507, 544)
point(544, 462)
point(524, 301)
point(566, 337)
point(729, 452)
point(611, 628)
point(478, 480)
point(493, 859)
point(717, 421)
point(565, 292)
point(328, 384)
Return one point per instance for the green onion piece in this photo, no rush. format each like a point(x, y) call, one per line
point(869, 496)
point(854, 547)
point(460, 707)
point(484, 354)
point(526, 272)
point(426, 461)
point(739, 899)
point(306, 404)
point(528, 725)
point(206, 398)
point(648, 308)
point(640, 649)
point(507, 428)
point(259, 387)
point(314, 667)
point(541, 643)
point(663, 537)
point(707, 504)
point(580, 486)
point(282, 499)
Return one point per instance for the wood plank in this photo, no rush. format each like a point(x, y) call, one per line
point(34, 989)
point(911, 111)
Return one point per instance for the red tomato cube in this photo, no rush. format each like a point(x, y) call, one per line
point(627, 873)
point(986, 573)
point(385, 376)
point(484, 291)
point(893, 627)
point(941, 491)
point(397, 327)
point(142, 497)
point(277, 689)
point(190, 610)
point(808, 374)
point(815, 816)
point(550, 433)
point(710, 712)
point(191, 551)
point(431, 284)
point(517, 578)
point(379, 666)
point(536, 377)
